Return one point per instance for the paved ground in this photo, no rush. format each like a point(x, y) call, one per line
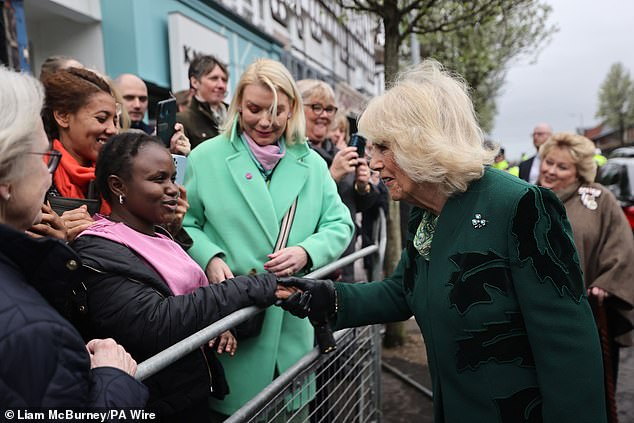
point(403, 404)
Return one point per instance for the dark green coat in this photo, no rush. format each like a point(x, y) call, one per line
point(508, 330)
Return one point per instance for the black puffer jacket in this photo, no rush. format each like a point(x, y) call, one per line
point(128, 301)
point(43, 359)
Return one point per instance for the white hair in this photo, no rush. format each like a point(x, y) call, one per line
point(21, 99)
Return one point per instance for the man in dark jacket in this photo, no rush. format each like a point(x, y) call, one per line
point(135, 100)
point(529, 168)
point(45, 362)
point(206, 112)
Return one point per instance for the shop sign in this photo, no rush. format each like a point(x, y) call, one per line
point(188, 38)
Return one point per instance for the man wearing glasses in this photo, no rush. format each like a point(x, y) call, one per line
point(529, 168)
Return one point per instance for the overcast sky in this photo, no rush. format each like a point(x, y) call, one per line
point(561, 88)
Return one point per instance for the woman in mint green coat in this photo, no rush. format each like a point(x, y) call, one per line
point(490, 270)
point(239, 186)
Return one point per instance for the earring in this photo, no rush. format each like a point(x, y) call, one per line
point(7, 197)
point(289, 115)
point(121, 198)
point(239, 109)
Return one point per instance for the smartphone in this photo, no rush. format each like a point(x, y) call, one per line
point(357, 140)
point(165, 120)
point(181, 165)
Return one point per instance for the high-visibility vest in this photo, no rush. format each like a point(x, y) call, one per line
point(600, 159)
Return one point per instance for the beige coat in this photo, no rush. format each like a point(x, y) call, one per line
point(605, 244)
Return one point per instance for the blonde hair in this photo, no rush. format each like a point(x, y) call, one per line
point(273, 75)
point(581, 150)
point(21, 99)
point(427, 119)
point(314, 88)
point(341, 122)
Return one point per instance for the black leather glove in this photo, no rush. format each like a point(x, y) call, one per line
point(317, 301)
point(298, 304)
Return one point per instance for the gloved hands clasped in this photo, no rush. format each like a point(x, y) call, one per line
point(317, 300)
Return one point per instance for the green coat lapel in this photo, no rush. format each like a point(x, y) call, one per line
point(268, 204)
point(254, 192)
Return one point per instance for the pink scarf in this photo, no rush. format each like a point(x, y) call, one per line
point(167, 258)
point(266, 155)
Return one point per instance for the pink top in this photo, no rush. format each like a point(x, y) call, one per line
point(169, 260)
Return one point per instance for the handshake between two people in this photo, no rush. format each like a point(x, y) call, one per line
point(312, 298)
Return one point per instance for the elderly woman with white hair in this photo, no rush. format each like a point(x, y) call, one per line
point(601, 232)
point(45, 362)
point(490, 270)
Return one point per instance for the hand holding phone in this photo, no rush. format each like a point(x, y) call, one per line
point(165, 120)
point(357, 140)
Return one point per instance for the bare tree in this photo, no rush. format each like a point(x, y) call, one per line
point(616, 99)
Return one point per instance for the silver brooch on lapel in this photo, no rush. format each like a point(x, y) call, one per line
point(589, 197)
point(478, 222)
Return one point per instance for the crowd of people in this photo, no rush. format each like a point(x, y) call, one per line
point(106, 260)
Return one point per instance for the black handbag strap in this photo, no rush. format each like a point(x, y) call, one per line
point(285, 227)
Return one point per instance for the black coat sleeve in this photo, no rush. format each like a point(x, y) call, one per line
point(112, 388)
point(147, 321)
point(48, 366)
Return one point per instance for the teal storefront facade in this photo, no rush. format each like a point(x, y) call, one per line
point(136, 37)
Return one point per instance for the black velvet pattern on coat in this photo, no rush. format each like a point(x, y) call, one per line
point(522, 407)
point(503, 342)
point(548, 256)
point(476, 272)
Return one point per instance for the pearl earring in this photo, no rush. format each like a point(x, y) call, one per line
point(121, 198)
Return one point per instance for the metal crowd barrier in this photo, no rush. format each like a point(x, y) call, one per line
point(344, 386)
point(168, 356)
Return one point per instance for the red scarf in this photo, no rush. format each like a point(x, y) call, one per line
point(71, 179)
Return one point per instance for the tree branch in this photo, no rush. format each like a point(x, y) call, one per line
point(409, 29)
point(481, 10)
point(369, 6)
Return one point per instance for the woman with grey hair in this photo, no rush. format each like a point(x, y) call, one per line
point(44, 360)
point(489, 271)
point(348, 166)
point(601, 232)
